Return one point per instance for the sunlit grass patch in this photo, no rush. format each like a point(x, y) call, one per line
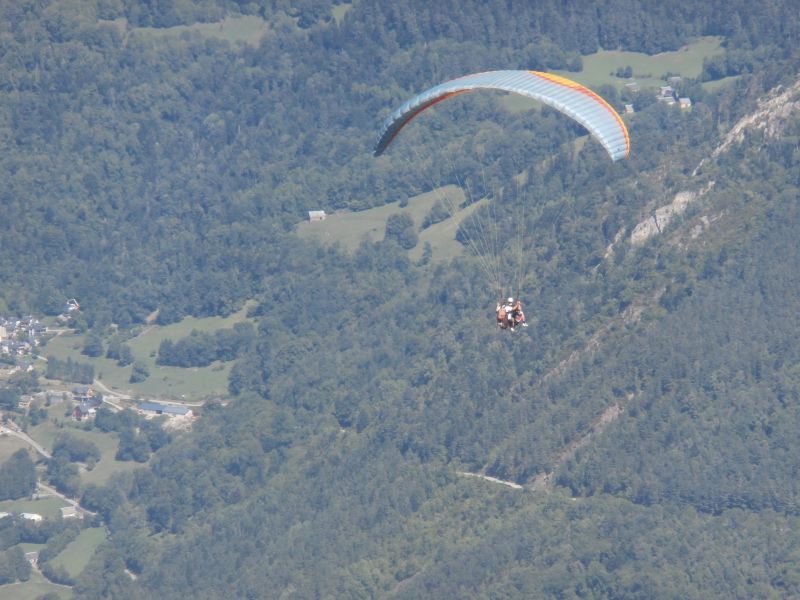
point(35, 587)
point(350, 228)
point(176, 382)
point(248, 29)
point(648, 70)
point(9, 445)
point(49, 507)
point(76, 556)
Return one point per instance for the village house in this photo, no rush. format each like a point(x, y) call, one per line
point(684, 103)
point(316, 215)
point(19, 336)
point(83, 393)
point(632, 87)
point(15, 348)
point(32, 557)
point(666, 95)
point(84, 410)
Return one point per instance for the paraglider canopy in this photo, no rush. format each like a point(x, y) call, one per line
point(566, 96)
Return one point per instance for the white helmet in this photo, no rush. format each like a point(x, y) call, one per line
point(510, 300)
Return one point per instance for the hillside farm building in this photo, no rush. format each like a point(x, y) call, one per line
point(172, 410)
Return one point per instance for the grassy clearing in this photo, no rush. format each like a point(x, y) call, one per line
point(175, 382)
point(243, 29)
point(8, 445)
point(76, 556)
point(712, 86)
point(36, 586)
point(340, 10)
point(442, 236)
point(49, 508)
point(149, 340)
point(350, 228)
point(598, 68)
point(45, 433)
point(107, 467)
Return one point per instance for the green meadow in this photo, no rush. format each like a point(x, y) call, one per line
point(8, 445)
point(76, 556)
point(649, 71)
point(45, 433)
point(34, 588)
point(185, 384)
point(49, 507)
point(350, 228)
point(245, 29)
point(340, 10)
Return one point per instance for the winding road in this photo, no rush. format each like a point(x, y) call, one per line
point(27, 439)
point(41, 450)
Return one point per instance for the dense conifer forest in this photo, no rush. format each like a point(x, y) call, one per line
point(649, 413)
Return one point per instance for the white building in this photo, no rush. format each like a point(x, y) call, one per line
point(35, 517)
point(70, 512)
point(316, 215)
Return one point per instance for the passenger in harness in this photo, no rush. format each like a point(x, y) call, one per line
point(510, 315)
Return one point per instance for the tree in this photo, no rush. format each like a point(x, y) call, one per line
point(104, 500)
point(139, 372)
point(9, 398)
point(64, 475)
point(14, 566)
point(25, 381)
point(437, 213)
point(93, 346)
point(400, 227)
point(17, 476)
point(125, 356)
point(76, 449)
point(69, 370)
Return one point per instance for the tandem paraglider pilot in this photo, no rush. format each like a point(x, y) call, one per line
point(510, 314)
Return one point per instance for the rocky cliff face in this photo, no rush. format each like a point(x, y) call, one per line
point(662, 216)
point(772, 112)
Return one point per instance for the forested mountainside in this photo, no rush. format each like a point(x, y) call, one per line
point(147, 171)
point(649, 412)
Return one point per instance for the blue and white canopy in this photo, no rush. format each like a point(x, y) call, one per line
point(566, 96)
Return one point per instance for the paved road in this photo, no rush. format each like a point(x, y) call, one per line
point(43, 486)
point(99, 384)
point(55, 492)
point(114, 396)
point(28, 439)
